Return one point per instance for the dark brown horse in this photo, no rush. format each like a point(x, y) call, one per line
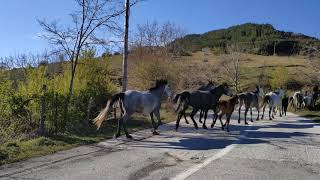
point(205, 100)
point(206, 87)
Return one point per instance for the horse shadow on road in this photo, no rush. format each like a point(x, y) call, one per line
point(187, 138)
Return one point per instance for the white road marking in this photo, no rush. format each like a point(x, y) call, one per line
point(183, 175)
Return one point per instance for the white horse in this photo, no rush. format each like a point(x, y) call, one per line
point(307, 100)
point(145, 102)
point(273, 99)
point(297, 100)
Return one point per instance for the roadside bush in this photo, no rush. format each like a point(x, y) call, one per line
point(43, 94)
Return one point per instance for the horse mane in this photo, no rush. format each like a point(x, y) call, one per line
point(159, 83)
point(219, 86)
point(257, 90)
point(210, 83)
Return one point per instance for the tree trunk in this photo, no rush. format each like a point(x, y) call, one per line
point(125, 48)
point(42, 130)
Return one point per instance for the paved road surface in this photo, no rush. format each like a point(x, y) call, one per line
point(287, 148)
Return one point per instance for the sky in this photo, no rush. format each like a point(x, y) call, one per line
point(19, 28)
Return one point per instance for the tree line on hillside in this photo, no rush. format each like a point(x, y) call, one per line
point(262, 39)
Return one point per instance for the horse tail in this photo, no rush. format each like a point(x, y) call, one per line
point(104, 113)
point(176, 98)
point(181, 98)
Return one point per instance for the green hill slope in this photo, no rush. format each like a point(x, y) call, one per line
point(252, 38)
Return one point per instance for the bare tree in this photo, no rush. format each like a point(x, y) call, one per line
point(157, 39)
point(93, 15)
point(230, 63)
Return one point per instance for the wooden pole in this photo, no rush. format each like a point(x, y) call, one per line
point(125, 47)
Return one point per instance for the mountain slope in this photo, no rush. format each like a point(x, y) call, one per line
point(252, 38)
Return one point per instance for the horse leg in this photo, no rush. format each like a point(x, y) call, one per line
point(115, 113)
point(239, 111)
point(154, 132)
point(178, 120)
point(258, 113)
point(194, 111)
point(227, 122)
point(245, 115)
point(205, 119)
point(273, 112)
point(251, 114)
point(180, 114)
point(264, 108)
point(214, 119)
point(157, 114)
point(201, 115)
point(125, 119)
point(185, 118)
point(120, 122)
point(270, 111)
point(222, 125)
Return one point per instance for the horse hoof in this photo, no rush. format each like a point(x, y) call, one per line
point(212, 125)
point(155, 133)
point(196, 127)
point(246, 123)
point(187, 122)
point(239, 121)
point(129, 136)
point(270, 119)
point(200, 121)
point(204, 127)
point(251, 120)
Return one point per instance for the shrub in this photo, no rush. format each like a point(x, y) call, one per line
point(279, 77)
point(25, 98)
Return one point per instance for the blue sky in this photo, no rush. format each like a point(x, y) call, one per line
point(19, 28)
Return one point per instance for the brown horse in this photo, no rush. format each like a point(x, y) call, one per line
point(226, 107)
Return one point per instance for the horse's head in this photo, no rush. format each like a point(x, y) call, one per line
point(162, 87)
point(226, 89)
point(210, 84)
point(260, 91)
point(167, 90)
point(281, 92)
point(235, 99)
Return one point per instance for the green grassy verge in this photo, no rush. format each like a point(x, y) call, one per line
point(26, 148)
point(314, 115)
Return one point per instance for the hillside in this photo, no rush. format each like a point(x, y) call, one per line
point(262, 39)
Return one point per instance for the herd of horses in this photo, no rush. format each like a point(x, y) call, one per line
point(203, 99)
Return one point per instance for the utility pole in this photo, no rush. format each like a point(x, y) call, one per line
point(125, 47)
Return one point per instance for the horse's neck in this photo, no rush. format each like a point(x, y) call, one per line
point(157, 92)
point(218, 95)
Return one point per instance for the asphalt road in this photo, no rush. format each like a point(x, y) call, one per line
point(285, 148)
